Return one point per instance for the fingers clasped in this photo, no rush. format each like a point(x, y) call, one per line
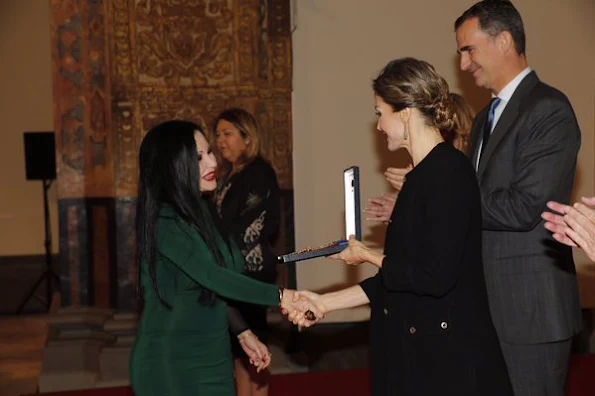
point(305, 309)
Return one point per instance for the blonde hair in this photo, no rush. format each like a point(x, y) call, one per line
point(465, 115)
point(248, 127)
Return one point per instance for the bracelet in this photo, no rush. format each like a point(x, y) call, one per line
point(281, 289)
point(245, 334)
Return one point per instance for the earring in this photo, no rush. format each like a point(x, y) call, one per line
point(406, 132)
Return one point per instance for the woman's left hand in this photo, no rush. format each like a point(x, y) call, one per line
point(257, 352)
point(354, 254)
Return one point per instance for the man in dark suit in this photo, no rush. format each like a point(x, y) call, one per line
point(524, 146)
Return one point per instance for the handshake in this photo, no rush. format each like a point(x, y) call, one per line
point(302, 308)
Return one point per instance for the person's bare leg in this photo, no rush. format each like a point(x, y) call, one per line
point(248, 381)
point(260, 382)
point(243, 383)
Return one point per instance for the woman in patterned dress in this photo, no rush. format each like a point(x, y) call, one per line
point(247, 199)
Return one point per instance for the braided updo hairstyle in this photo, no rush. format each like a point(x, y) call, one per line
point(409, 82)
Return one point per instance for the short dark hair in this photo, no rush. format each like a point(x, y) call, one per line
point(495, 17)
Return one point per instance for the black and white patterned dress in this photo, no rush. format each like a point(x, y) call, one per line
point(248, 205)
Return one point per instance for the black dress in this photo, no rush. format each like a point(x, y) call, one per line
point(248, 205)
point(431, 329)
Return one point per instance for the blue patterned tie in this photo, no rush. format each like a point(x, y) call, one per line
point(487, 129)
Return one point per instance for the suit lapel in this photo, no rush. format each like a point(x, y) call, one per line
point(501, 129)
point(505, 121)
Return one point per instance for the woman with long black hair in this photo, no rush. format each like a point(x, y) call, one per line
point(188, 269)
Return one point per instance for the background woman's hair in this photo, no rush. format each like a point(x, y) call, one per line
point(409, 82)
point(245, 122)
point(169, 174)
point(465, 116)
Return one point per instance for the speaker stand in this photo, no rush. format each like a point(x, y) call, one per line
point(49, 276)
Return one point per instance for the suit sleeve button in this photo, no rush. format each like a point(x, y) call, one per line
point(444, 325)
point(412, 330)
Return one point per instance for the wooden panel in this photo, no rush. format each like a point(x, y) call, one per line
point(99, 169)
point(121, 67)
point(69, 93)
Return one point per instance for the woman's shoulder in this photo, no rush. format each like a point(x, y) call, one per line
point(167, 214)
point(170, 221)
point(259, 163)
point(448, 156)
point(449, 167)
point(259, 168)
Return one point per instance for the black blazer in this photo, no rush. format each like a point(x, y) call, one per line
point(431, 331)
point(248, 203)
point(529, 160)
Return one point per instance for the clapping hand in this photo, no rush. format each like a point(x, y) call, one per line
point(381, 208)
point(257, 352)
point(573, 225)
point(396, 176)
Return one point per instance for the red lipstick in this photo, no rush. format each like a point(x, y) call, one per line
point(209, 176)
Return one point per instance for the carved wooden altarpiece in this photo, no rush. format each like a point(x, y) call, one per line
point(120, 67)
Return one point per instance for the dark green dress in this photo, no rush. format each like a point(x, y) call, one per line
point(185, 350)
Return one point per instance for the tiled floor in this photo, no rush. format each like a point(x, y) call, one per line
point(324, 347)
point(22, 337)
point(321, 348)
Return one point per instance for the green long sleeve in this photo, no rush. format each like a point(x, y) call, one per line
point(182, 246)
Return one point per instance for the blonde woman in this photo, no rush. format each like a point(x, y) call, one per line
point(247, 200)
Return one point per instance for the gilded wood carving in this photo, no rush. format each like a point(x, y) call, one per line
point(122, 66)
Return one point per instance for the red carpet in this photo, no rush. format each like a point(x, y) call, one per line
point(581, 382)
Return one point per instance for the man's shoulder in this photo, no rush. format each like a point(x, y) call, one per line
point(543, 93)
